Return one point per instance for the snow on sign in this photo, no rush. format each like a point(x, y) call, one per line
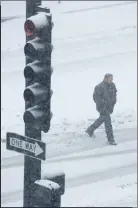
point(26, 145)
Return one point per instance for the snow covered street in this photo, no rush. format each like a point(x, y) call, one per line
point(90, 39)
point(93, 170)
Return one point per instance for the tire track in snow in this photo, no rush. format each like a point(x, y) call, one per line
point(88, 177)
point(90, 59)
point(99, 7)
point(4, 19)
point(17, 161)
point(78, 181)
point(81, 157)
point(110, 34)
point(103, 175)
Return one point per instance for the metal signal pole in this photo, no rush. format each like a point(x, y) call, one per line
point(32, 167)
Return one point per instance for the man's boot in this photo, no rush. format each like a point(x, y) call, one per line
point(90, 132)
point(112, 142)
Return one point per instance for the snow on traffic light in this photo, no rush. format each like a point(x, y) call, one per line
point(38, 71)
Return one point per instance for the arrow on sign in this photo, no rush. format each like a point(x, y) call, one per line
point(38, 149)
point(26, 145)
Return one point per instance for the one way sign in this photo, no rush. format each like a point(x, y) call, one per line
point(26, 145)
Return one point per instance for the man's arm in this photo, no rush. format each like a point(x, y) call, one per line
point(98, 96)
point(114, 97)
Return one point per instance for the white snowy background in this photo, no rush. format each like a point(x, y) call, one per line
point(90, 39)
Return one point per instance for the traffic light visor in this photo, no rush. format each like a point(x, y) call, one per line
point(29, 28)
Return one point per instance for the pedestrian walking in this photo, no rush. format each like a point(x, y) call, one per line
point(105, 98)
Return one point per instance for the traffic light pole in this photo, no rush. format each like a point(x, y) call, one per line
point(32, 167)
point(30, 7)
point(39, 191)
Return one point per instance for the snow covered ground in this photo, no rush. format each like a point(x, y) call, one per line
point(90, 39)
point(105, 41)
point(100, 177)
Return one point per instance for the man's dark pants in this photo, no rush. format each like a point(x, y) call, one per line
point(106, 119)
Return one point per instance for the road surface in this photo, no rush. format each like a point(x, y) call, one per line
point(94, 165)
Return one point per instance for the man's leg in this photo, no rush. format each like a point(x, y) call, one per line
point(96, 124)
point(108, 127)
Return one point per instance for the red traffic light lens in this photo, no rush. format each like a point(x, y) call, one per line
point(29, 28)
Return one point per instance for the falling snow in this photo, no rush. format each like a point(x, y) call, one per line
point(90, 39)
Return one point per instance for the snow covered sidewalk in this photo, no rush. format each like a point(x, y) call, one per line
point(70, 142)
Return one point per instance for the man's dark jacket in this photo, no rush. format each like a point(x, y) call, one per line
point(105, 97)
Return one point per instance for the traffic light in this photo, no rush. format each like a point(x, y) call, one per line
point(57, 177)
point(45, 193)
point(38, 71)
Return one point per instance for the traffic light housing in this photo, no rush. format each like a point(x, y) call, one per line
point(57, 177)
point(38, 71)
point(45, 193)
